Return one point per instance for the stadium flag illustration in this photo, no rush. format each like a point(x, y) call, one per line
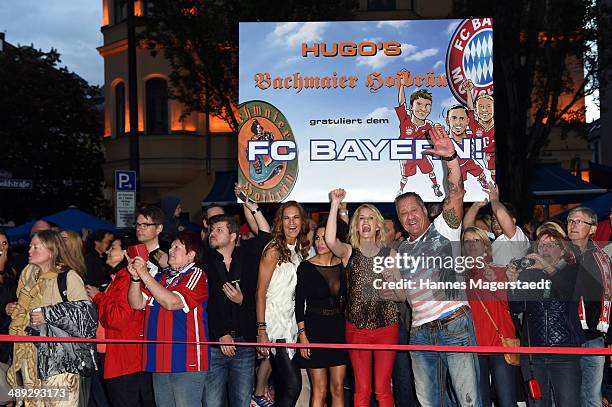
point(351, 104)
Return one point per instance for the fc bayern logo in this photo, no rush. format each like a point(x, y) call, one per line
point(470, 56)
point(267, 152)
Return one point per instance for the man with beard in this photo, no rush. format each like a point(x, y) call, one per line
point(232, 279)
point(457, 121)
point(415, 126)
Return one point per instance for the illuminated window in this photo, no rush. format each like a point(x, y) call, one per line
point(120, 109)
point(157, 106)
point(120, 10)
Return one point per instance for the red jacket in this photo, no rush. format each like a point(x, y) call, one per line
point(497, 305)
point(120, 322)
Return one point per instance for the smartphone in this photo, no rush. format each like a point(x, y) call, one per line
point(138, 250)
point(242, 196)
point(534, 389)
point(233, 282)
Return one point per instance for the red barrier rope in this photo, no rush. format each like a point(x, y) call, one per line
point(353, 346)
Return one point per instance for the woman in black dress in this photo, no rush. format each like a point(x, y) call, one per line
point(320, 286)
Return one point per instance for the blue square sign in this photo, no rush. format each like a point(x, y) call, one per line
point(125, 180)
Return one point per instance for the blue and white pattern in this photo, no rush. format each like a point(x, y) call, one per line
point(478, 58)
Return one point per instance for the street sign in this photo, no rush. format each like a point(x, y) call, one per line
point(10, 183)
point(125, 198)
point(125, 180)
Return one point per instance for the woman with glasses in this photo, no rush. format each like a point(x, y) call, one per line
point(492, 318)
point(123, 362)
point(174, 302)
point(550, 318)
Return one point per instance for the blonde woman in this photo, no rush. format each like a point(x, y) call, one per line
point(490, 311)
point(42, 309)
point(369, 318)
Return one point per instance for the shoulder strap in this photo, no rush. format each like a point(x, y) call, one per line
point(486, 310)
point(62, 285)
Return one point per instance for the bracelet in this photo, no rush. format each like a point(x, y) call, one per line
point(255, 211)
point(262, 328)
point(301, 331)
point(261, 324)
point(135, 280)
point(451, 158)
point(343, 213)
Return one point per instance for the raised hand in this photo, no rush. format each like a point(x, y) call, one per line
point(337, 195)
point(493, 192)
point(466, 86)
point(442, 144)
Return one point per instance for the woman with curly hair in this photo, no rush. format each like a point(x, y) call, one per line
point(371, 316)
point(275, 303)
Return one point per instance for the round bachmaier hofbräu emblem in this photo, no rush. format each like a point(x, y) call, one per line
point(267, 152)
point(470, 56)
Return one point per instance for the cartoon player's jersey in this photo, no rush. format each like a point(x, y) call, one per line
point(409, 129)
point(478, 130)
point(468, 166)
point(488, 139)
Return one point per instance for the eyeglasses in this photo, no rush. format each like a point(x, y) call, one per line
point(549, 246)
point(578, 222)
point(145, 225)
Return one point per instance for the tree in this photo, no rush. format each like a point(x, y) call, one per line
point(534, 87)
point(51, 133)
point(200, 40)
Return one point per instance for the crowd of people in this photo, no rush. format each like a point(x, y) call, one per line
point(295, 281)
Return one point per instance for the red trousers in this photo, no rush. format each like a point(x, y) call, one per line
point(362, 364)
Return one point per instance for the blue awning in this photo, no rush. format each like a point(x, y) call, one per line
point(552, 184)
point(601, 205)
point(222, 191)
point(71, 219)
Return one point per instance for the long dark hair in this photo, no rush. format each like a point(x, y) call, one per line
point(279, 240)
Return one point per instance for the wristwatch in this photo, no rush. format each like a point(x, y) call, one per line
point(343, 213)
point(255, 211)
point(451, 158)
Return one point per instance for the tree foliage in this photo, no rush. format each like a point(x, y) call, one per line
point(51, 133)
point(535, 43)
point(200, 40)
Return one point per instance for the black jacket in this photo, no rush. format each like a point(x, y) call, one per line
point(551, 316)
point(76, 319)
point(224, 316)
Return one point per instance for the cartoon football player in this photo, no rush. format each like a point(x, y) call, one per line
point(457, 121)
point(415, 125)
point(483, 127)
point(264, 167)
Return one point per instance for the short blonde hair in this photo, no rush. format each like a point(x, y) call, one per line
point(484, 96)
point(482, 235)
point(551, 225)
point(353, 235)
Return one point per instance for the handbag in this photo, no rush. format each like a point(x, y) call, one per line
point(513, 359)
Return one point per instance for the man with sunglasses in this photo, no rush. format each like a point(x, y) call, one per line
point(149, 225)
point(594, 281)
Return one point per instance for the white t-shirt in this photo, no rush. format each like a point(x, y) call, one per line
point(506, 249)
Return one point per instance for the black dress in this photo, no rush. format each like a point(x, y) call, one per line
point(320, 289)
